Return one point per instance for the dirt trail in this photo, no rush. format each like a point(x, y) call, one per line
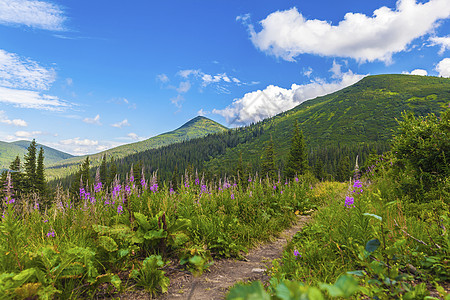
point(215, 283)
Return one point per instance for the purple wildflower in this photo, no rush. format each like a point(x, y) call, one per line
point(296, 179)
point(154, 188)
point(171, 191)
point(51, 234)
point(98, 187)
point(232, 196)
point(297, 254)
point(119, 209)
point(349, 202)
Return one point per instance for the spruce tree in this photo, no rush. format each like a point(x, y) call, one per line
point(103, 171)
point(40, 176)
point(17, 175)
point(85, 172)
point(30, 168)
point(268, 160)
point(112, 171)
point(297, 162)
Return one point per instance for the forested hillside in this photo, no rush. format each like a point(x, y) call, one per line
point(358, 120)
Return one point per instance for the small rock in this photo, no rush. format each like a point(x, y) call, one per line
point(258, 270)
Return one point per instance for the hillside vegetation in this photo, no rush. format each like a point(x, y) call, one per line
point(195, 128)
point(9, 151)
point(358, 120)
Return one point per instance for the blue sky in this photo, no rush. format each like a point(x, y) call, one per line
point(84, 76)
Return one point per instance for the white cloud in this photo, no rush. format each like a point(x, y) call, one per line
point(121, 124)
point(444, 42)
point(32, 13)
point(69, 81)
point(308, 72)
point(23, 73)
point(163, 78)
point(420, 72)
point(133, 136)
point(187, 73)
point(203, 112)
point(15, 122)
point(258, 105)
point(177, 100)
point(288, 33)
point(31, 99)
point(95, 120)
point(27, 134)
point(79, 142)
point(184, 87)
point(443, 67)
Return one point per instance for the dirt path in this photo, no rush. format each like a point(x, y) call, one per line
point(224, 273)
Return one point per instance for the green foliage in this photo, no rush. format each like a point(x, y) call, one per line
point(150, 276)
point(297, 160)
point(30, 168)
point(422, 145)
point(268, 160)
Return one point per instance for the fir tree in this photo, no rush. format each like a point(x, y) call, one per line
point(40, 176)
point(30, 168)
point(268, 160)
point(343, 172)
point(112, 171)
point(297, 162)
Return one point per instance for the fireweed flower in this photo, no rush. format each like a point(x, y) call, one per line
point(274, 187)
point(119, 209)
point(154, 188)
point(98, 187)
point(197, 181)
point(297, 254)
point(51, 234)
point(232, 196)
point(296, 179)
point(358, 187)
point(171, 191)
point(349, 202)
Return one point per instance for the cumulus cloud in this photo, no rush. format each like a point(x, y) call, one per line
point(79, 142)
point(23, 73)
point(95, 120)
point(420, 72)
point(177, 101)
point(121, 124)
point(31, 13)
point(203, 112)
point(258, 105)
point(15, 122)
point(443, 67)
point(288, 33)
point(207, 79)
point(444, 42)
point(27, 134)
point(31, 99)
point(184, 87)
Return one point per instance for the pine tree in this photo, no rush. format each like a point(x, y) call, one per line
point(297, 162)
point(343, 172)
point(30, 168)
point(103, 171)
point(268, 160)
point(40, 175)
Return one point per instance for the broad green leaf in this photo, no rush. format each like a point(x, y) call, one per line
point(372, 245)
point(108, 243)
point(141, 219)
point(255, 291)
point(155, 234)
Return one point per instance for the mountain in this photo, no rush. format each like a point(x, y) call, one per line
point(195, 128)
point(9, 151)
point(362, 114)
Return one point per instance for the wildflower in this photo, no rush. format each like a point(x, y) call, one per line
point(171, 191)
point(349, 202)
point(127, 189)
point(98, 187)
point(51, 234)
point(296, 179)
point(204, 189)
point(45, 221)
point(119, 209)
point(232, 196)
point(274, 187)
point(82, 192)
point(281, 192)
point(143, 184)
point(357, 184)
point(154, 188)
point(197, 181)
point(297, 254)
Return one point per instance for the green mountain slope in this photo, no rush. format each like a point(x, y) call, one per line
point(9, 151)
point(353, 121)
point(362, 113)
point(195, 128)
